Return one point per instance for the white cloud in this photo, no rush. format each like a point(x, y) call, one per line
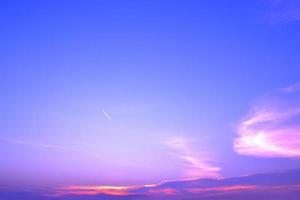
point(272, 129)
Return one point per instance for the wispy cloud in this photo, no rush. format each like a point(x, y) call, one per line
point(282, 11)
point(272, 128)
point(38, 144)
point(196, 166)
point(51, 146)
point(291, 88)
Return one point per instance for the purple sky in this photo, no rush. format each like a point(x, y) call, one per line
point(126, 93)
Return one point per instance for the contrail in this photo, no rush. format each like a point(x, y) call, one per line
point(44, 145)
point(106, 115)
point(50, 146)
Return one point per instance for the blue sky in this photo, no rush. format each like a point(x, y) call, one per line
point(131, 92)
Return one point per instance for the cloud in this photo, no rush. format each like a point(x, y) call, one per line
point(38, 144)
point(283, 11)
point(196, 166)
point(275, 185)
point(230, 188)
point(95, 190)
point(69, 148)
point(272, 128)
point(291, 88)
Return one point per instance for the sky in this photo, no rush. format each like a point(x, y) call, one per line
point(122, 93)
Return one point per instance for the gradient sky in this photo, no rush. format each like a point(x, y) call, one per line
point(138, 92)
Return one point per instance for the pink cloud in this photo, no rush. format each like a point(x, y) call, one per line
point(231, 188)
point(281, 183)
point(196, 165)
point(157, 191)
point(165, 191)
point(215, 191)
point(272, 128)
point(95, 190)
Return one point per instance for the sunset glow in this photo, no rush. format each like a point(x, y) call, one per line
point(150, 100)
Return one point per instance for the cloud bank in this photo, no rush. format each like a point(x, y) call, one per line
point(272, 127)
point(275, 185)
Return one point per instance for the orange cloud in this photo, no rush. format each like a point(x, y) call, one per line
point(95, 190)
